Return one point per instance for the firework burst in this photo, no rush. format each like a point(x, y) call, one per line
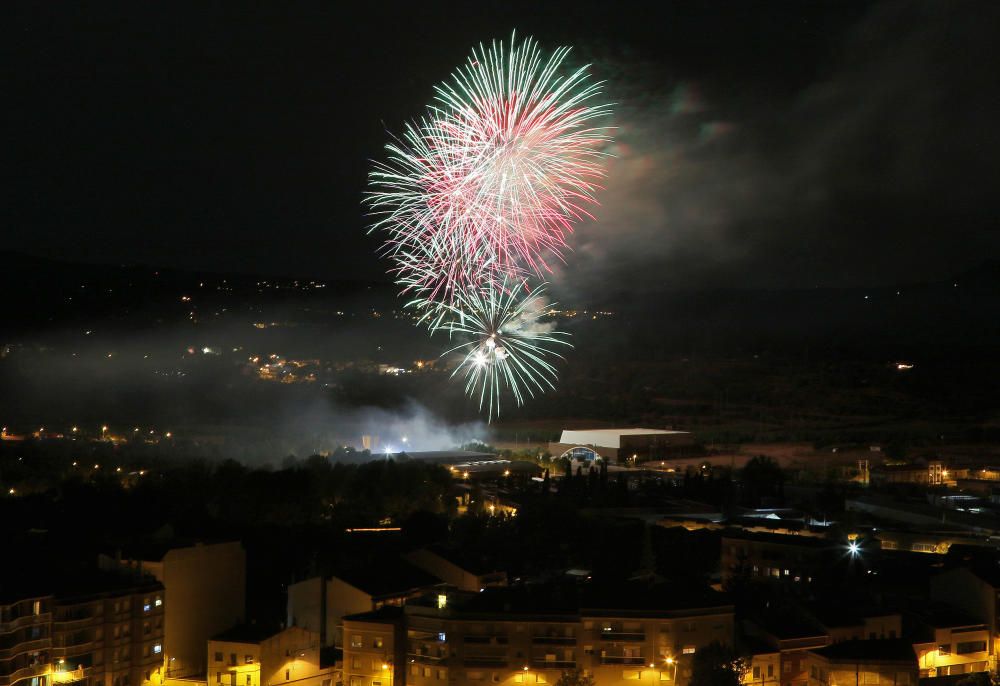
point(488, 184)
point(476, 200)
point(506, 346)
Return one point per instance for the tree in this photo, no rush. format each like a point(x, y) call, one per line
point(575, 677)
point(717, 665)
point(762, 477)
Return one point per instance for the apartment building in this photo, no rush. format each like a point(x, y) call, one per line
point(207, 585)
point(764, 668)
point(531, 635)
point(950, 642)
point(976, 591)
point(457, 569)
point(252, 655)
point(880, 662)
point(791, 559)
point(374, 647)
point(319, 603)
point(95, 629)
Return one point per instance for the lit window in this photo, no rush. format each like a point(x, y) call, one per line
point(158, 602)
point(689, 650)
point(442, 601)
point(248, 659)
point(378, 642)
point(442, 636)
point(146, 607)
point(157, 648)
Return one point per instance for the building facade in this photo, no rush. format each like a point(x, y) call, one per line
point(106, 633)
point(252, 656)
point(451, 638)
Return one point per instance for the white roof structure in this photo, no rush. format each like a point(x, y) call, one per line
point(610, 438)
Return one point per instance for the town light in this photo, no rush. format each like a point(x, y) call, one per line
point(853, 548)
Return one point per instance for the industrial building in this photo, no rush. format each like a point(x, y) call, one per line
point(621, 446)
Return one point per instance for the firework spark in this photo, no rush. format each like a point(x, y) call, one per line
point(488, 184)
point(477, 199)
point(508, 346)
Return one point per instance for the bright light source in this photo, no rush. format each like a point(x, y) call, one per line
point(853, 548)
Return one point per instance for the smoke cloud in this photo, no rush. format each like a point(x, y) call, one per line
point(880, 166)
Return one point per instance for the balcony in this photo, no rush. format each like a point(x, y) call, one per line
point(553, 664)
point(68, 677)
point(424, 659)
point(485, 660)
point(487, 640)
point(25, 620)
point(24, 673)
point(623, 636)
point(621, 660)
point(25, 647)
point(554, 640)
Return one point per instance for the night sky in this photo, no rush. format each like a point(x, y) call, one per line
point(780, 144)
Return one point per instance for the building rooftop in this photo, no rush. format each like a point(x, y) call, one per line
point(782, 539)
point(987, 570)
point(448, 456)
point(571, 600)
point(476, 563)
point(611, 438)
point(51, 575)
point(789, 623)
point(386, 613)
point(837, 613)
point(877, 650)
point(247, 633)
point(942, 616)
point(395, 577)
